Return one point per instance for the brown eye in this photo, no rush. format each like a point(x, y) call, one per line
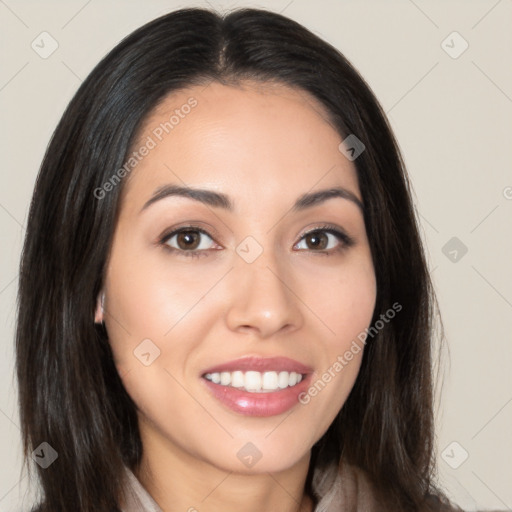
point(189, 240)
point(325, 240)
point(317, 240)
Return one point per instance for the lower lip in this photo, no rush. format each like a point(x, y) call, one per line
point(258, 404)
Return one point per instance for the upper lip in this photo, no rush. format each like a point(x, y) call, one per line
point(260, 364)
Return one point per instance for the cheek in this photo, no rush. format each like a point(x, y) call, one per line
point(154, 308)
point(344, 302)
point(344, 305)
point(149, 295)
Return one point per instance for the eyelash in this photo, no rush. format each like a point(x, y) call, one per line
point(346, 241)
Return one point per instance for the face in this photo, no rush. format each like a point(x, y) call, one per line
point(224, 307)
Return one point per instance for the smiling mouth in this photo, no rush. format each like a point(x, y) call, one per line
point(256, 382)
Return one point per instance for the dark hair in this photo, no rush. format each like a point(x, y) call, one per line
point(70, 394)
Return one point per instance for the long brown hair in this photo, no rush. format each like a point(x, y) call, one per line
point(70, 394)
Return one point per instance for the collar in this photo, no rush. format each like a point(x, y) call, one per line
point(334, 490)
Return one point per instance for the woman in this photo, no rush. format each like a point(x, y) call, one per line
point(223, 287)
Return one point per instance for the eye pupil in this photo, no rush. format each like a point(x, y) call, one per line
point(188, 237)
point(317, 240)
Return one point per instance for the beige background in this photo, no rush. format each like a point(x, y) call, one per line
point(452, 117)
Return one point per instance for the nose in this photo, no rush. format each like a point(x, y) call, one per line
point(263, 299)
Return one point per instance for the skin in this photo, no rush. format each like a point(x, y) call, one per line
point(264, 146)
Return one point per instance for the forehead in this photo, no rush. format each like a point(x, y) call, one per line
point(254, 138)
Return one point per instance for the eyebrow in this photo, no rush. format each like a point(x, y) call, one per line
point(220, 200)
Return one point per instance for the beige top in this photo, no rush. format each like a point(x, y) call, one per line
point(338, 492)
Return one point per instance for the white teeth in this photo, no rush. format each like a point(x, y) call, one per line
point(283, 380)
point(237, 379)
point(225, 378)
point(270, 381)
point(252, 381)
point(255, 382)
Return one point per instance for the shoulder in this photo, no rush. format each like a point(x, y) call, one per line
point(349, 487)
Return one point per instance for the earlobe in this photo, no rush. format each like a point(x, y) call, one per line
point(100, 309)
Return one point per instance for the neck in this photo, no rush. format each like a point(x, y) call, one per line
point(178, 481)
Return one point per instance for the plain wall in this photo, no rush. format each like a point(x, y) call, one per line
point(452, 116)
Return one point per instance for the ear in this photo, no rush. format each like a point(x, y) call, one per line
point(98, 315)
